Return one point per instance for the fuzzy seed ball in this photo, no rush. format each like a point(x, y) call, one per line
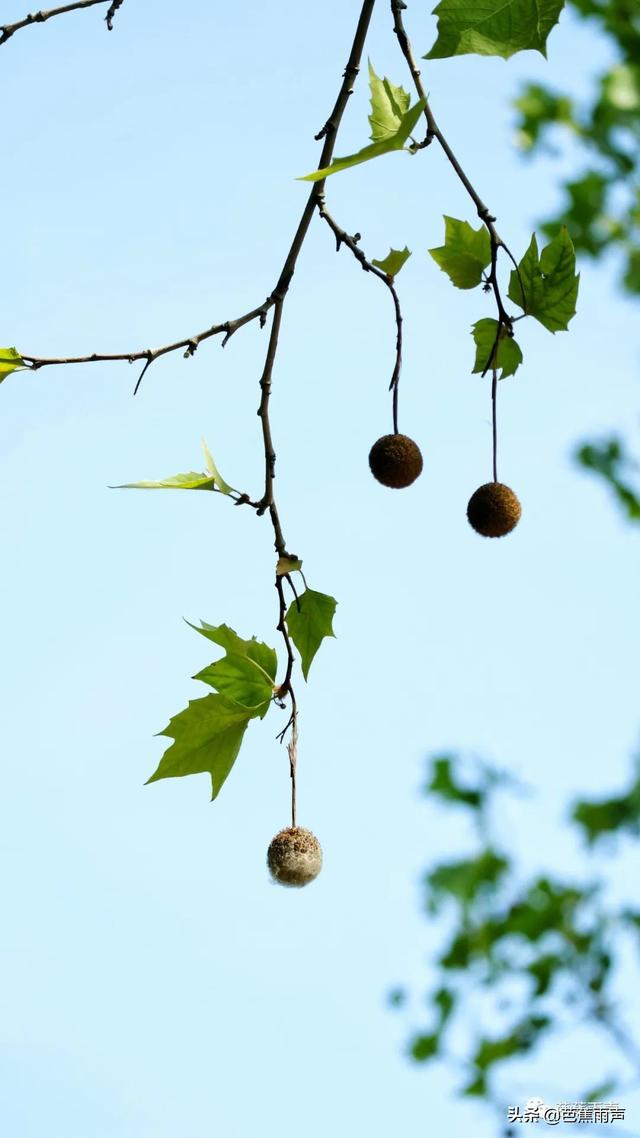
point(395, 460)
point(294, 857)
point(494, 510)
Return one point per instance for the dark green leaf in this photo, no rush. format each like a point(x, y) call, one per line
point(549, 281)
point(393, 262)
point(465, 254)
point(444, 999)
point(609, 459)
point(477, 1086)
point(207, 737)
point(425, 1047)
point(504, 353)
point(444, 785)
point(309, 621)
point(520, 1039)
point(495, 27)
point(543, 970)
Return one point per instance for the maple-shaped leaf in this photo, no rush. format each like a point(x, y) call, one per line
point(493, 27)
point(506, 356)
point(208, 734)
point(207, 738)
point(309, 620)
point(466, 252)
point(391, 119)
point(393, 261)
point(549, 281)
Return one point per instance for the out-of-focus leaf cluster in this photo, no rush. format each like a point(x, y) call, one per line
point(601, 205)
point(523, 958)
point(610, 459)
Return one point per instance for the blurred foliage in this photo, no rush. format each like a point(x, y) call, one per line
point(602, 204)
point(609, 459)
point(523, 958)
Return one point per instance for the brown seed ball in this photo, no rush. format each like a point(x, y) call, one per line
point(494, 510)
point(294, 857)
point(395, 460)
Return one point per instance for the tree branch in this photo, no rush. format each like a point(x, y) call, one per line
point(8, 30)
point(190, 343)
point(274, 301)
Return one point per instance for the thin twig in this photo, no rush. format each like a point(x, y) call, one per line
point(189, 343)
point(8, 30)
point(351, 242)
point(111, 13)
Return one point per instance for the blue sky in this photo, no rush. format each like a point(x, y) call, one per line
point(156, 982)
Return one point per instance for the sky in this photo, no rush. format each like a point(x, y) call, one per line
point(155, 981)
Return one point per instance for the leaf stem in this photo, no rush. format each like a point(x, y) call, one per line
point(494, 394)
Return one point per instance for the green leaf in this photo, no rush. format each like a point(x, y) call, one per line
point(207, 737)
point(445, 1000)
point(494, 27)
point(309, 621)
point(543, 971)
point(242, 680)
point(393, 262)
point(263, 657)
point(610, 460)
point(388, 106)
point(507, 357)
point(10, 359)
point(444, 785)
point(190, 481)
point(550, 282)
point(477, 1086)
point(222, 486)
point(601, 1093)
point(425, 1047)
point(464, 880)
point(391, 120)
point(465, 254)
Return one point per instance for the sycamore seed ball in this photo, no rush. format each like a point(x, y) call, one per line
point(294, 857)
point(395, 460)
point(494, 510)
